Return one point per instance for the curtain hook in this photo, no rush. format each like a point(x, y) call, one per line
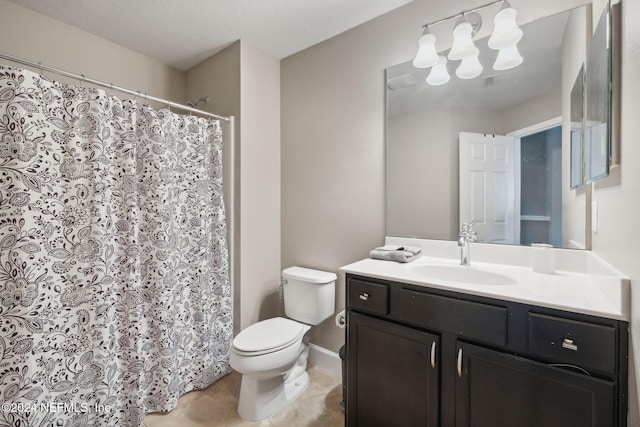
point(41, 69)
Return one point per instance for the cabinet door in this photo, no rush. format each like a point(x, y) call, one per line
point(498, 389)
point(393, 374)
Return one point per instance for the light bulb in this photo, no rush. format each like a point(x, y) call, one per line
point(506, 31)
point(427, 55)
point(508, 57)
point(463, 46)
point(439, 74)
point(469, 68)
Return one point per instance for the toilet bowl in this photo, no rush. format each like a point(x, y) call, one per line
point(272, 354)
point(274, 373)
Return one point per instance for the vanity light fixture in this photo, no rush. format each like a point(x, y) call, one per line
point(504, 39)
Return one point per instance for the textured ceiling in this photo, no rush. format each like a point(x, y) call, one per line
point(182, 33)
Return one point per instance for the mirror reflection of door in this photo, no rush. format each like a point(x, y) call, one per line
point(487, 186)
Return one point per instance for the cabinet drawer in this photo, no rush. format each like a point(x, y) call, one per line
point(367, 296)
point(587, 345)
point(483, 322)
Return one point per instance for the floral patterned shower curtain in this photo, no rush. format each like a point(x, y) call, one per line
point(114, 286)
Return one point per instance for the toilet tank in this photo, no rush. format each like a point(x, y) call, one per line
point(309, 295)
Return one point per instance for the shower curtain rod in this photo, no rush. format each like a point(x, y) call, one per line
point(111, 86)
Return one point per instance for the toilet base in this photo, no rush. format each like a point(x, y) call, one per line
point(262, 398)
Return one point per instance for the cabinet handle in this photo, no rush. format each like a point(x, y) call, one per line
point(433, 354)
point(460, 362)
point(364, 296)
point(569, 345)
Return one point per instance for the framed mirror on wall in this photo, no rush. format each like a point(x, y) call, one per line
point(577, 131)
point(536, 100)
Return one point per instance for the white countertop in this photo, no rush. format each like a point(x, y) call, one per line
point(605, 295)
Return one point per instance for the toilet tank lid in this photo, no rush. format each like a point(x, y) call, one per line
point(308, 275)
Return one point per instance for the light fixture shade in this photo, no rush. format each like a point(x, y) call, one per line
point(439, 74)
point(463, 46)
point(469, 68)
point(508, 57)
point(427, 55)
point(506, 31)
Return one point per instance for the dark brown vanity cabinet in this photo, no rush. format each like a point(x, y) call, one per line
point(501, 389)
point(418, 356)
point(398, 390)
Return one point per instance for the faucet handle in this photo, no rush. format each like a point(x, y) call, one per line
point(473, 235)
point(466, 231)
point(467, 227)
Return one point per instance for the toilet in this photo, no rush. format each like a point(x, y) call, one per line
point(272, 354)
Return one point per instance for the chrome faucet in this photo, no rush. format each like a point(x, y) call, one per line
point(466, 235)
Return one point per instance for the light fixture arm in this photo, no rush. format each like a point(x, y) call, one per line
point(464, 12)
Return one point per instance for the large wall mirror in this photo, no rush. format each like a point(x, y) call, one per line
point(522, 115)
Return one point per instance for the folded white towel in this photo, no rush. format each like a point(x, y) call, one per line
point(395, 253)
point(413, 249)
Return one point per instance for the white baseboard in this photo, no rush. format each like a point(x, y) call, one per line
point(325, 359)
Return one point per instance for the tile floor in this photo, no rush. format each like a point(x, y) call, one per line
point(216, 406)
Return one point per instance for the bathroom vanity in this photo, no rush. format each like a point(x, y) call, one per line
point(441, 352)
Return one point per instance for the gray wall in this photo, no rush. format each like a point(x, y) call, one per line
point(259, 185)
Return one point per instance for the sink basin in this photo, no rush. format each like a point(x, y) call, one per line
point(461, 274)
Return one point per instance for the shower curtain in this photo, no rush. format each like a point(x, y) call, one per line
point(114, 287)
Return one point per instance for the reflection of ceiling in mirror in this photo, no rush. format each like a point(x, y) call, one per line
point(540, 72)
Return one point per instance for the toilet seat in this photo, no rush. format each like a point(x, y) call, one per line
point(268, 336)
